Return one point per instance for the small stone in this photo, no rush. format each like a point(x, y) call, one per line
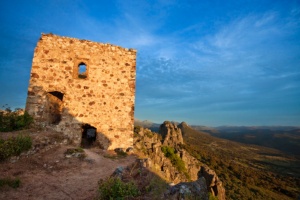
point(68, 156)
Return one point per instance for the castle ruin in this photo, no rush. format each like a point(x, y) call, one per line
point(84, 89)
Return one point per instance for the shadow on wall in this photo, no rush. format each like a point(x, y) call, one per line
point(50, 112)
point(80, 132)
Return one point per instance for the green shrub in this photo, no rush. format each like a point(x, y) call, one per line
point(14, 183)
point(212, 197)
point(14, 146)
point(12, 120)
point(175, 159)
point(115, 188)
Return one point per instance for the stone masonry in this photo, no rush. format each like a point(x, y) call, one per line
point(78, 83)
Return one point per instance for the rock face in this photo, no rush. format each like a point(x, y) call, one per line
point(77, 85)
point(171, 134)
point(189, 190)
point(212, 181)
point(150, 145)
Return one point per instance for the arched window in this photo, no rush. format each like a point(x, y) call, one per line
point(82, 72)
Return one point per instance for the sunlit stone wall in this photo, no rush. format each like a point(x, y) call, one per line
point(75, 82)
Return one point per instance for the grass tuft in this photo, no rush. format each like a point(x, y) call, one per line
point(14, 146)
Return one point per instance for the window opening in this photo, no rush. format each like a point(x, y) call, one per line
point(89, 134)
point(57, 94)
point(82, 73)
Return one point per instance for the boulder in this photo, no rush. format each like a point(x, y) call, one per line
point(188, 190)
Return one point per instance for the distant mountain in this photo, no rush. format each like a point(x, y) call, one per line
point(251, 128)
point(205, 128)
point(154, 127)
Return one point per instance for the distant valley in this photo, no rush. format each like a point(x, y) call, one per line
point(283, 138)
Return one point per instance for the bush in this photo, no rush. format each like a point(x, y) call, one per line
point(175, 159)
point(115, 188)
point(14, 146)
point(13, 120)
point(212, 197)
point(14, 183)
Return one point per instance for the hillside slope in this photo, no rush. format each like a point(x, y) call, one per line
point(286, 139)
point(247, 171)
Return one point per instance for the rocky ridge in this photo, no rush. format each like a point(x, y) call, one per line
point(190, 180)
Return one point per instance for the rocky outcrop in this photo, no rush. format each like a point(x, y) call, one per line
point(171, 134)
point(150, 144)
point(213, 182)
point(192, 164)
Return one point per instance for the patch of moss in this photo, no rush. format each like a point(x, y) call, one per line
point(14, 183)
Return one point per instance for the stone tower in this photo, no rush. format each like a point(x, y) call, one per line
point(84, 89)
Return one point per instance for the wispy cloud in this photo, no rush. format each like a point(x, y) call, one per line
point(190, 62)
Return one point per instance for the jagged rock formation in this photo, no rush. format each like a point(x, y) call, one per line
point(171, 134)
point(150, 144)
point(212, 182)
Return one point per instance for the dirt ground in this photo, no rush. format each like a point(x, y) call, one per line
point(48, 174)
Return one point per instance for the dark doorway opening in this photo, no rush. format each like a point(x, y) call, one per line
point(89, 135)
point(53, 107)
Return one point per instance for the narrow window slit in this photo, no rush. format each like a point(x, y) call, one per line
point(82, 72)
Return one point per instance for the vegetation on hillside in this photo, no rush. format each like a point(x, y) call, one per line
point(132, 182)
point(115, 188)
point(239, 168)
point(14, 146)
point(176, 161)
point(14, 120)
point(285, 140)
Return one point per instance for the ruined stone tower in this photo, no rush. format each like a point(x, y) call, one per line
point(84, 89)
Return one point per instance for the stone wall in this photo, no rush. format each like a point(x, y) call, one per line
point(75, 82)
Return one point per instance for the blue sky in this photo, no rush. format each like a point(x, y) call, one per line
point(204, 62)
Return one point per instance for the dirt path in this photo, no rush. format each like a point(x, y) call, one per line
point(50, 175)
